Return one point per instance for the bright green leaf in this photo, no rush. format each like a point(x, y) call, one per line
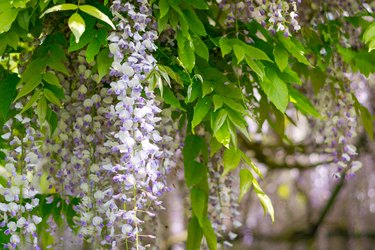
point(7, 17)
point(246, 181)
point(255, 67)
point(223, 135)
point(281, 57)
point(219, 120)
point(239, 52)
point(60, 7)
point(77, 25)
point(225, 47)
point(92, 11)
point(200, 111)
point(50, 96)
point(276, 90)
point(231, 159)
point(218, 102)
point(264, 200)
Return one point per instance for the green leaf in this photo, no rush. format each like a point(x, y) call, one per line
point(92, 11)
point(369, 33)
point(104, 63)
point(170, 98)
point(194, 173)
point(302, 103)
point(255, 53)
point(239, 52)
point(7, 91)
point(264, 200)
point(41, 109)
point(57, 65)
point(294, 50)
point(76, 25)
point(19, 3)
point(218, 103)
point(255, 67)
point(200, 111)
point(7, 17)
point(225, 47)
point(60, 7)
point(251, 164)
point(195, 24)
point(367, 121)
point(238, 120)
point(231, 159)
point(35, 67)
point(200, 48)
point(223, 135)
point(29, 86)
point(195, 234)
point(164, 8)
point(235, 105)
point(171, 74)
point(52, 79)
point(209, 233)
point(186, 54)
point(199, 201)
point(92, 50)
point(246, 181)
point(32, 100)
point(281, 57)
point(52, 121)
point(23, 19)
point(198, 4)
point(50, 96)
point(215, 146)
point(192, 146)
point(275, 89)
point(219, 120)
point(86, 37)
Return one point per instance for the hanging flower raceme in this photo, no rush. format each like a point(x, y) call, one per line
point(338, 128)
point(134, 117)
point(22, 172)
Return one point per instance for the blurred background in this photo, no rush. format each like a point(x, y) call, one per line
point(316, 206)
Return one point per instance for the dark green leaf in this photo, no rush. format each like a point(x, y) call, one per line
point(7, 92)
point(194, 173)
point(164, 8)
point(104, 62)
point(52, 79)
point(50, 96)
